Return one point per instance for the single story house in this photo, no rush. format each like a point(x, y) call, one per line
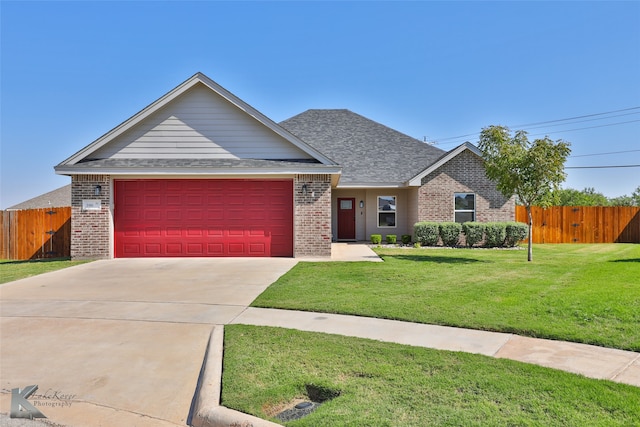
point(199, 172)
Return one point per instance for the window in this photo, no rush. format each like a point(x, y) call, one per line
point(346, 204)
point(465, 207)
point(386, 211)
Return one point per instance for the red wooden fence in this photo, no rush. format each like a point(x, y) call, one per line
point(35, 233)
point(583, 224)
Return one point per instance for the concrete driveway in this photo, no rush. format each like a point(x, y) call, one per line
point(121, 342)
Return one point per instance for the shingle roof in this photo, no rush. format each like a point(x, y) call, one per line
point(58, 198)
point(369, 152)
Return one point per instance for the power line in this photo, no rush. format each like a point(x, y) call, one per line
point(439, 140)
point(580, 121)
point(577, 117)
point(602, 167)
point(604, 154)
point(588, 127)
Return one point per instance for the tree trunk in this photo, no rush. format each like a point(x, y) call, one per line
point(530, 248)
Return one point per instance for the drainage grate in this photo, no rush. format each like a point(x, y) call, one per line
point(300, 410)
point(317, 395)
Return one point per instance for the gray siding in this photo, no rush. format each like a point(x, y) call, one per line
point(200, 124)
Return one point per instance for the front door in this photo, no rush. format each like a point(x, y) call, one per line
point(346, 219)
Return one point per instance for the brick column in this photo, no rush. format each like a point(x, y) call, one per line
point(312, 215)
point(90, 232)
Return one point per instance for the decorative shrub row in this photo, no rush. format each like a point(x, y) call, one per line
point(391, 239)
point(492, 234)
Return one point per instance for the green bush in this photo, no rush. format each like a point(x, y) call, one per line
point(406, 239)
point(376, 239)
point(515, 232)
point(450, 233)
point(426, 233)
point(495, 234)
point(392, 239)
point(473, 232)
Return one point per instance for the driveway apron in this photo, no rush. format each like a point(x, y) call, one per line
point(121, 342)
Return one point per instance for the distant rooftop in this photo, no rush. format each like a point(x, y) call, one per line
point(53, 199)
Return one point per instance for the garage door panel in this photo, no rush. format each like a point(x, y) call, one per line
point(173, 200)
point(195, 249)
point(173, 215)
point(153, 248)
point(193, 214)
point(132, 249)
point(203, 218)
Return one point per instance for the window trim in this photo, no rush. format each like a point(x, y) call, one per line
point(379, 211)
point(456, 211)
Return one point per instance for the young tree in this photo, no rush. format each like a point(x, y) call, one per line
point(530, 170)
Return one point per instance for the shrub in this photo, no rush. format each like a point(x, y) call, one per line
point(426, 233)
point(495, 234)
point(391, 239)
point(376, 239)
point(406, 239)
point(515, 232)
point(450, 233)
point(473, 232)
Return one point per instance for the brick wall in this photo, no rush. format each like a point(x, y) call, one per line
point(90, 232)
point(462, 174)
point(312, 215)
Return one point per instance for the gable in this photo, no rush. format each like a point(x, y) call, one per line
point(199, 124)
point(444, 159)
point(200, 121)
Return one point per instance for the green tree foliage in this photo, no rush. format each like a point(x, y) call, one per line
point(633, 200)
point(589, 197)
point(529, 170)
point(586, 197)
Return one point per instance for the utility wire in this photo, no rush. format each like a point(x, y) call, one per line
point(556, 121)
point(577, 117)
point(578, 121)
point(603, 154)
point(588, 127)
point(602, 167)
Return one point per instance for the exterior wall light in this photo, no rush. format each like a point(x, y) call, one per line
point(305, 189)
point(97, 190)
point(361, 204)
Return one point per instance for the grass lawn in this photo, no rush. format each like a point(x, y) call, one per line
point(581, 293)
point(14, 270)
point(385, 384)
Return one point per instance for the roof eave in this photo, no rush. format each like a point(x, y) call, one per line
point(361, 185)
point(195, 171)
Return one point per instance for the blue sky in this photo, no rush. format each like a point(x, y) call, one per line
point(71, 71)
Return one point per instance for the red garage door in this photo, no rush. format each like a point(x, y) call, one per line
point(203, 217)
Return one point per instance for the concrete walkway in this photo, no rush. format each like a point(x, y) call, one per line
point(122, 342)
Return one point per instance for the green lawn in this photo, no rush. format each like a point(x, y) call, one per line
point(582, 293)
point(14, 270)
point(384, 384)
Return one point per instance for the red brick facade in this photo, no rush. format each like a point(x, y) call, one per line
point(312, 215)
point(90, 229)
point(462, 174)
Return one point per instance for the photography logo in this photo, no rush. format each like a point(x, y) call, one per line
point(21, 407)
